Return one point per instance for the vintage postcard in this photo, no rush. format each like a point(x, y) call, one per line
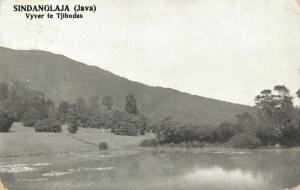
point(149, 95)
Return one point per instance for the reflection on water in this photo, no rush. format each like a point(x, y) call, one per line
point(41, 164)
point(15, 168)
point(263, 170)
point(55, 174)
point(218, 178)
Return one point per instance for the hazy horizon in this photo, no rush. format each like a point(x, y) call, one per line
point(230, 50)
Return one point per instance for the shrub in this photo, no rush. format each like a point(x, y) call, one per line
point(126, 128)
point(6, 121)
point(149, 143)
point(142, 131)
point(48, 125)
point(106, 120)
point(169, 131)
point(268, 135)
point(72, 128)
point(116, 117)
point(29, 123)
point(103, 146)
point(224, 132)
point(245, 140)
point(94, 121)
point(172, 131)
point(196, 144)
point(152, 128)
point(124, 123)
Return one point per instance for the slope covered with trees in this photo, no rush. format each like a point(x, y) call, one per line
point(63, 79)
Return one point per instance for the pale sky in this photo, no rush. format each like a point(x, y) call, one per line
point(228, 49)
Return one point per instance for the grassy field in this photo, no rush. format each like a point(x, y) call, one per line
point(23, 141)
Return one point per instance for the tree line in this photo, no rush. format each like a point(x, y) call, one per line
point(20, 103)
point(275, 121)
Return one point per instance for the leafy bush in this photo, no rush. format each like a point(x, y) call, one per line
point(103, 146)
point(268, 135)
point(6, 121)
point(152, 128)
point(142, 131)
point(62, 111)
point(290, 135)
point(149, 143)
point(27, 104)
point(48, 125)
point(131, 106)
point(171, 131)
point(94, 121)
point(245, 140)
point(106, 120)
point(72, 128)
point(129, 124)
point(117, 116)
point(224, 132)
point(29, 123)
point(126, 128)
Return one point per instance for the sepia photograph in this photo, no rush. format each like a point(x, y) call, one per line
point(149, 95)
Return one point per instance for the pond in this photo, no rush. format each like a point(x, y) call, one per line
point(148, 169)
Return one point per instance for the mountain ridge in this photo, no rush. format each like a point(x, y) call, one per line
point(62, 78)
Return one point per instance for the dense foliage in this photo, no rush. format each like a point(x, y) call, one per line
point(72, 128)
point(149, 143)
point(6, 121)
point(125, 128)
point(131, 104)
point(48, 125)
point(22, 104)
point(275, 121)
point(245, 140)
point(172, 131)
point(103, 146)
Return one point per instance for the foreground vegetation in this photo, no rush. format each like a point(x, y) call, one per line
point(276, 121)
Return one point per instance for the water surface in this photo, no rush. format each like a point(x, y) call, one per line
point(169, 170)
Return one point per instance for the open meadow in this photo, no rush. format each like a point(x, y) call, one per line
point(23, 141)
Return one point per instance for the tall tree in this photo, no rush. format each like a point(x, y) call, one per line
point(62, 111)
point(275, 114)
point(107, 101)
point(25, 103)
point(94, 105)
point(298, 93)
point(82, 109)
point(3, 91)
point(266, 104)
point(284, 105)
point(245, 120)
point(131, 106)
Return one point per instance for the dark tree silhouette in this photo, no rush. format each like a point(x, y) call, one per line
point(298, 93)
point(131, 106)
point(62, 111)
point(107, 101)
point(3, 91)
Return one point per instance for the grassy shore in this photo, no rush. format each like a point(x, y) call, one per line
point(22, 141)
